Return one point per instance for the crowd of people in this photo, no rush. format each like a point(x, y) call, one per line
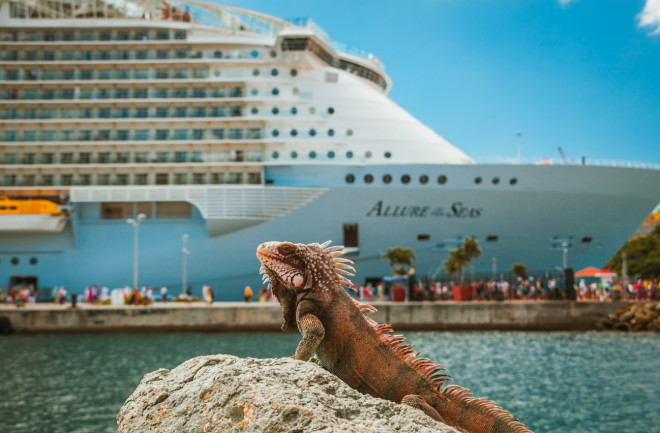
point(405, 289)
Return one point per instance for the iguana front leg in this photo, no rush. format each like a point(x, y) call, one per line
point(313, 333)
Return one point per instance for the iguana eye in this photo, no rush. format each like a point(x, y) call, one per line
point(286, 249)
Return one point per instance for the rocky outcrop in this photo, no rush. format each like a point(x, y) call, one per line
point(223, 393)
point(643, 316)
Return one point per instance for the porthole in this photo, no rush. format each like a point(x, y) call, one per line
point(275, 91)
point(331, 154)
point(367, 154)
point(331, 110)
point(254, 110)
point(275, 110)
point(295, 91)
point(294, 154)
point(477, 180)
point(349, 132)
point(368, 178)
point(274, 72)
point(14, 261)
point(349, 154)
point(254, 53)
point(294, 132)
point(350, 178)
point(513, 181)
point(254, 92)
point(405, 179)
point(312, 154)
point(273, 53)
point(33, 260)
point(255, 72)
point(276, 155)
point(312, 132)
point(294, 110)
point(275, 132)
point(294, 72)
point(312, 110)
point(388, 154)
point(331, 132)
point(387, 178)
point(442, 179)
point(496, 180)
point(423, 179)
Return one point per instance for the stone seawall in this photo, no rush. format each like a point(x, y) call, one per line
point(230, 317)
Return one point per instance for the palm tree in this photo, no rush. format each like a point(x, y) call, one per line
point(519, 270)
point(460, 258)
point(398, 258)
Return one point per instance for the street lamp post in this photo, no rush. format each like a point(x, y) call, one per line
point(135, 222)
point(564, 247)
point(184, 263)
point(494, 268)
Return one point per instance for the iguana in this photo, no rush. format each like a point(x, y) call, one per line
point(308, 282)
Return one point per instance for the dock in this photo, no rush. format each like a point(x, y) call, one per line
point(266, 317)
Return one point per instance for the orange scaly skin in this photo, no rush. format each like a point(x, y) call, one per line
point(307, 281)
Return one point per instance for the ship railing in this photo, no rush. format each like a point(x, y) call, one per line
point(587, 162)
point(338, 47)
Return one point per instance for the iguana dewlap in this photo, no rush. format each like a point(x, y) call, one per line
point(307, 281)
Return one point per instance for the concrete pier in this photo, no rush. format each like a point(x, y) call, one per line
point(236, 317)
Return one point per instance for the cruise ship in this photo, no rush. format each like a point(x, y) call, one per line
point(192, 132)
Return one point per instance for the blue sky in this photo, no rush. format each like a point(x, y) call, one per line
point(580, 74)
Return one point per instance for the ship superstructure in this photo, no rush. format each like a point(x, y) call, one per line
point(236, 127)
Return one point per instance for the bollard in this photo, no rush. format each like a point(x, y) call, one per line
point(74, 298)
point(569, 284)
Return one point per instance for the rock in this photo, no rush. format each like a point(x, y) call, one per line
point(223, 393)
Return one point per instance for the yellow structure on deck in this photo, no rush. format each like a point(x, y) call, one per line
point(28, 207)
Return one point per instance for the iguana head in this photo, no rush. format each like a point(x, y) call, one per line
point(295, 269)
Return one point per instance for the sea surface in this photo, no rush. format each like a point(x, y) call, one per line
point(553, 382)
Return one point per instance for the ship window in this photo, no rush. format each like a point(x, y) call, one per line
point(173, 209)
point(405, 179)
point(350, 178)
point(349, 132)
point(254, 53)
point(331, 154)
point(367, 154)
point(116, 210)
point(275, 110)
point(423, 179)
point(312, 110)
point(275, 155)
point(255, 72)
point(294, 110)
point(294, 72)
point(275, 132)
point(587, 239)
point(368, 178)
point(331, 110)
point(331, 132)
point(388, 154)
point(351, 235)
point(312, 154)
point(496, 180)
point(14, 261)
point(294, 132)
point(273, 53)
point(423, 237)
point(349, 154)
point(513, 181)
point(254, 92)
point(162, 178)
point(477, 180)
point(312, 132)
point(254, 110)
point(387, 178)
point(442, 179)
point(491, 238)
point(217, 55)
point(294, 154)
point(275, 91)
point(274, 72)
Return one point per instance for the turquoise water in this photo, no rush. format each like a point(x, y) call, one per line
point(554, 382)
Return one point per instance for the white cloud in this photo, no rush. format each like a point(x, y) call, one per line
point(565, 2)
point(650, 16)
